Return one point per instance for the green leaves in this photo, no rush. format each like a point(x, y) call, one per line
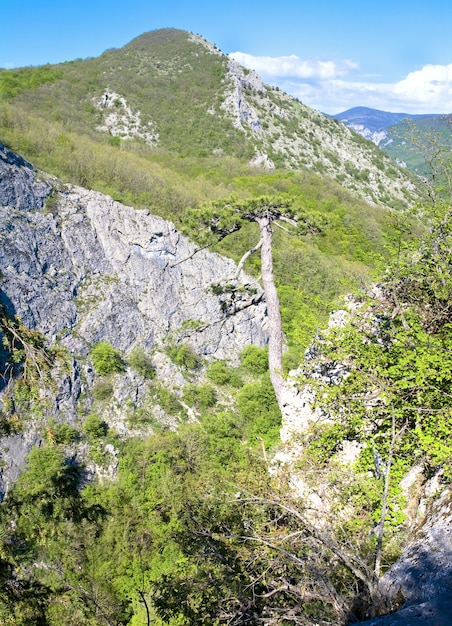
point(106, 359)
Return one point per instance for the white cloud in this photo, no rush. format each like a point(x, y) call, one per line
point(294, 67)
point(429, 86)
point(327, 86)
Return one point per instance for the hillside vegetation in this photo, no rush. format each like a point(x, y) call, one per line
point(185, 131)
point(171, 92)
point(163, 499)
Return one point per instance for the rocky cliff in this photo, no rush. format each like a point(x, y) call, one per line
point(82, 268)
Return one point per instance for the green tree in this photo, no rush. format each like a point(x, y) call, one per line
point(387, 377)
point(217, 221)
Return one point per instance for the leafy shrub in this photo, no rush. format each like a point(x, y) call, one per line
point(184, 356)
point(60, 433)
point(254, 359)
point(221, 374)
point(167, 400)
point(259, 410)
point(95, 427)
point(200, 396)
point(141, 363)
point(106, 359)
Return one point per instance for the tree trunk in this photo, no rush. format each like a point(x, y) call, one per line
point(275, 341)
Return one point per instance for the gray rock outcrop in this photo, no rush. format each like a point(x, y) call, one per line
point(19, 187)
point(419, 584)
point(82, 268)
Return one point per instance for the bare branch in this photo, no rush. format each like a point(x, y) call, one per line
point(245, 257)
point(190, 256)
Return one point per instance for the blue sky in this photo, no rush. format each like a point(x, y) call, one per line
point(395, 56)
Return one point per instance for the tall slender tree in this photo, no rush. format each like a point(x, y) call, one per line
point(221, 219)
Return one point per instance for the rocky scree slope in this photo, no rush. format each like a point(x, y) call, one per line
point(81, 268)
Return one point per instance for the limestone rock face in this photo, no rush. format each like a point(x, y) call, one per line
point(419, 584)
point(18, 185)
point(89, 268)
point(82, 268)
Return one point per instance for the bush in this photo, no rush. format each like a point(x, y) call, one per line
point(184, 356)
point(141, 363)
point(106, 359)
point(168, 400)
point(260, 412)
point(95, 427)
point(200, 396)
point(221, 374)
point(254, 359)
point(60, 433)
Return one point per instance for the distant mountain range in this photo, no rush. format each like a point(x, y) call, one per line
point(392, 132)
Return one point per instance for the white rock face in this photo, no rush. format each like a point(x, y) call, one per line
point(120, 121)
point(377, 136)
point(298, 411)
point(263, 160)
point(243, 114)
point(89, 269)
point(102, 270)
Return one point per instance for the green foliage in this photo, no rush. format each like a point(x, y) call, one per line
point(95, 427)
point(27, 366)
point(220, 373)
point(60, 433)
point(168, 400)
point(106, 359)
point(259, 410)
point(398, 349)
point(200, 397)
point(13, 82)
point(45, 469)
point(141, 363)
point(254, 359)
point(184, 356)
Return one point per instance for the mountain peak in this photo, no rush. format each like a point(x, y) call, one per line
point(173, 92)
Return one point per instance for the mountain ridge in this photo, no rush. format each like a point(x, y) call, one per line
point(189, 99)
point(406, 137)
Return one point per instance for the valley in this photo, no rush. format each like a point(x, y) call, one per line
point(149, 471)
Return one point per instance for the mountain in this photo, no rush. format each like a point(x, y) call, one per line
point(148, 473)
point(372, 123)
point(407, 138)
point(172, 93)
point(367, 121)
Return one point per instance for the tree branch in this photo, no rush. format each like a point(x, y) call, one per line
point(245, 257)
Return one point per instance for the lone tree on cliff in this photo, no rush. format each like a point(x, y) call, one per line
point(220, 219)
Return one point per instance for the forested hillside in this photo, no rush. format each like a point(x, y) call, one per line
point(143, 476)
